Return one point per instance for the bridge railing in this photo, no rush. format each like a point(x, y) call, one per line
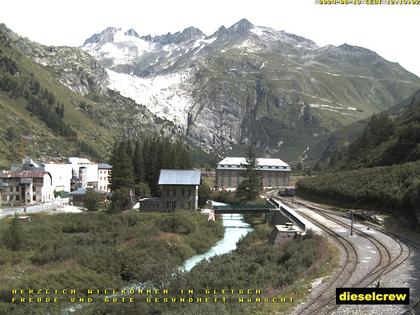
point(245, 207)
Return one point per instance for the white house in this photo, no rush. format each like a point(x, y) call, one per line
point(104, 172)
point(61, 175)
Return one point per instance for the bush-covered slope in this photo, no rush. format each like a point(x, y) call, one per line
point(395, 188)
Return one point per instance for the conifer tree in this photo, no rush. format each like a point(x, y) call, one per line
point(122, 175)
point(251, 185)
point(138, 163)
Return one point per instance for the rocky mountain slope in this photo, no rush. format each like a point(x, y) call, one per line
point(243, 83)
point(54, 102)
point(249, 83)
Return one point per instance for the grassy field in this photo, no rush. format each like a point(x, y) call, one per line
point(98, 250)
point(286, 271)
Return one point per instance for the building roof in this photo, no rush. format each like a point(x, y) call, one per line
point(82, 191)
point(179, 177)
point(104, 166)
point(22, 174)
point(77, 160)
point(263, 163)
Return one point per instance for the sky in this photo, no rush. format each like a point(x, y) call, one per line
point(389, 30)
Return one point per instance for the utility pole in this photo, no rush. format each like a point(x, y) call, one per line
point(352, 220)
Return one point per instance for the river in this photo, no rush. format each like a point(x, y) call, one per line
point(235, 229)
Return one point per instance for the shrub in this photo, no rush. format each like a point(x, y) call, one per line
point(92, 200)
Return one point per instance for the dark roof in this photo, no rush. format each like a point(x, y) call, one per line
point(179, 177)
point(20, 174)
point(104, 166)
point(82, 191)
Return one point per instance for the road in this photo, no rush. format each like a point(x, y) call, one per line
point(370, 255)
point(6, 212)
point(48, 206)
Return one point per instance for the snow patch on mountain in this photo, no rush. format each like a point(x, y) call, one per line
point(271, 35)
point(122, 50)
point(166, 96)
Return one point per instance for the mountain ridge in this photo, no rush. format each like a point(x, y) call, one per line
point(240, 84)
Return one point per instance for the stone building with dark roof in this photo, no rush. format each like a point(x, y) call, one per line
point(179, 191)
point(180, 188)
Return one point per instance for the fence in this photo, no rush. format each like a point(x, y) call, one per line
point(52, 205)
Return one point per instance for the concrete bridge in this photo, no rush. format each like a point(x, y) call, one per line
point(243, 209)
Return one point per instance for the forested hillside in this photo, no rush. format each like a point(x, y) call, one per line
point(38, 115)
point(395, 189)
point(386, 139)
point(380, 168)
point(333, 148)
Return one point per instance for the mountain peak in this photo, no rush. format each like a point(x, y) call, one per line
point(242, 26)
point(132, 32)
point(222, 30)
point(190, 33)
point(106, 36)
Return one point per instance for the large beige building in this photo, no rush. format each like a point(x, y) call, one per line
point(275, 173)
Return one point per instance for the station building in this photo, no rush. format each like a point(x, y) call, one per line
point(275, 173)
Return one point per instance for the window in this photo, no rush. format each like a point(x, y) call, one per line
point(183, 192)
point(17, 197)
point(174, 192)
point(189, 192)
point(17, 188)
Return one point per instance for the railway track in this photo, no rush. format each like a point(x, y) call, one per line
point(403, 243)
point(326, 299)
point(324, 302)
point(405, 251)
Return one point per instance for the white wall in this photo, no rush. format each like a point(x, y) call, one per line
point(61, 175)
point(91, 168)
point(47, 189)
